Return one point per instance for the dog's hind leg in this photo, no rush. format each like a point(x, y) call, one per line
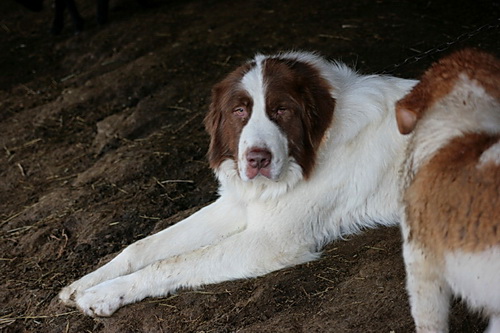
point(428, 290)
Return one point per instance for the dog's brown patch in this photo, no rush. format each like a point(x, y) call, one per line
point(299, 101)
point(223, 128)
point(453, 204)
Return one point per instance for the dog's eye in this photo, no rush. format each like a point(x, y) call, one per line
point(240, 112)
point(281, 110)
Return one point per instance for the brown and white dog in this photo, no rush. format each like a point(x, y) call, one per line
point(305, 150)
point(451, 179)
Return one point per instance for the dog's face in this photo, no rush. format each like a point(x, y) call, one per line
point(269, 114)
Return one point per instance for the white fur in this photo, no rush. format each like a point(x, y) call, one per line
point(491, 155)
point(261, 225)
point(428, 290)
point(475, 277)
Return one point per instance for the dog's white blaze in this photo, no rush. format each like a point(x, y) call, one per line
point(260, 131)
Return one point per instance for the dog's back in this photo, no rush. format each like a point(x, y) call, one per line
point(452, 188)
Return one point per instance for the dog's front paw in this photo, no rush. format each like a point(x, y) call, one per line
point(102, 300)
point(71, 293)
point(68, 295)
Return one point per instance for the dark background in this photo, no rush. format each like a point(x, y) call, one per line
point(102, 143)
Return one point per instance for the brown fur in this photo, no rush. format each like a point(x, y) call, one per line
point(298, 100)
point(453, 204)
point(306, 107)
point(224, 129)
point(440, 78)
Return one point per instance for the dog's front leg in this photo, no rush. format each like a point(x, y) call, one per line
point(211, 224)
point(246, 254)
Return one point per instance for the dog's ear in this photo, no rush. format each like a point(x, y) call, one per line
point(214, 125)
point(213, 122)
point(406, 119)
point(318, 106)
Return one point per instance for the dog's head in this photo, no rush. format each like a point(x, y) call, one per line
point(270, 116)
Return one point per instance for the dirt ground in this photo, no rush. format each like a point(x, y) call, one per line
point(102, 143)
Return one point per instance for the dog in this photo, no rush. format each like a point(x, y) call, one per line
point(451, 189)
point(305, 150)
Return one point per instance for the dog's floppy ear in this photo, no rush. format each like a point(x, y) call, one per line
point(214, 123)
point(406, 119)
